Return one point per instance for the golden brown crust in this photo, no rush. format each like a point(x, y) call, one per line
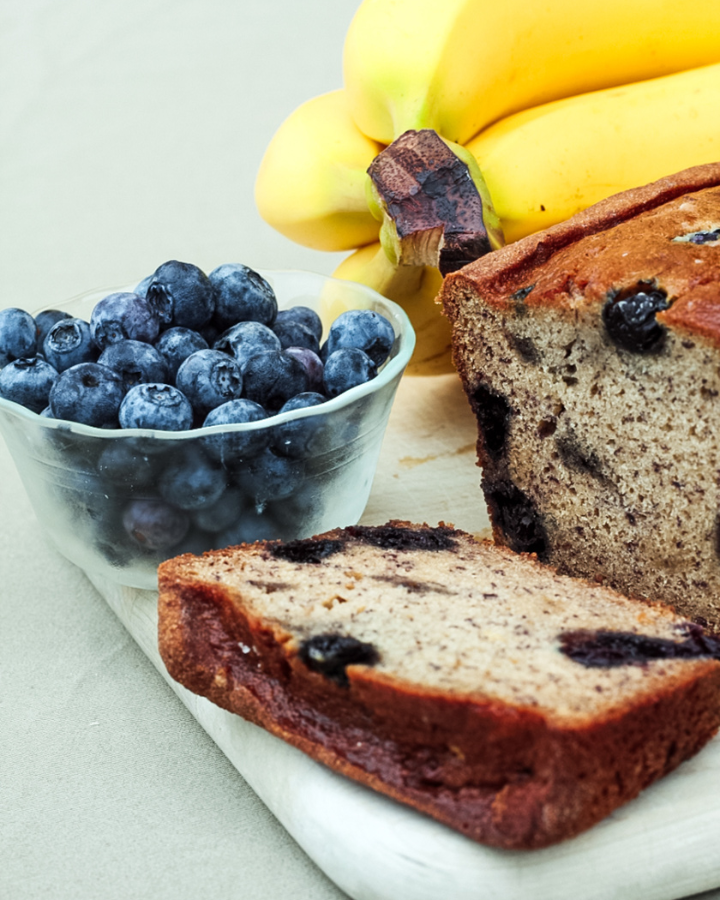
point(626, 239)
point(502, 775)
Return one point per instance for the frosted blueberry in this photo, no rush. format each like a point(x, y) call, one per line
point(135, 361)
point(293, 333)
point(18, 335)
point(123, 464)
point(345, 369)
point(272, 378)
point(247, 339)
point(302, 315)
point(363, 329)
point(223, 513)
point(45, 320)
point(28, 381)
point(176, 344)
point(88, 393)
point(123, 316)
point(159, 406)
point(68, 343)
point(181, 294)
point(209, 378)
point(232, 447)
point(242, 295)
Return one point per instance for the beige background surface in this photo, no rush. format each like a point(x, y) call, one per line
point(130, 133)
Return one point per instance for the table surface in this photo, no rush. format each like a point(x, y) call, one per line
point(130, 133)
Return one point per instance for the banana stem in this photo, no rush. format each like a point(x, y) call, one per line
point(433, 211)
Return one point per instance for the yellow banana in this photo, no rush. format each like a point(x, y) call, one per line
point(456, 66)
point(311, 182)
point(547, 163)
point(465, 68)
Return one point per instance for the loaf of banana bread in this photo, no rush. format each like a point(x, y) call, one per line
point(472, 683)
point(590, 354)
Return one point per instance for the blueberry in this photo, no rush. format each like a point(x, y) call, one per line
point(252, 525)
point(191, 481)
point(45, 320)
point(493, 415)
point(304, 512)
point(302, 315)
point(313, 366)
point(68, 343)
point(123, 316)
point(209, 378)
point(247, 339)
point(345, 369)
point(242, 295)
point(364, 329)
point(607, 649)
point(516, 516)
point(155, 525)
point(222, 514)
point(407, 540)
point(308, 551)
point(234, 446)
point(123, 464)
point(272, 378)
point(295, 334)
point(331, 654)
point(88, 393)
point(18, 335)
point(181, 294)
point(135, 361)
point(90, 505)
point(175, 345)
point(298, 438)
point(268, 477)
point(630, 319)
point(28, 381)
point(159, 406)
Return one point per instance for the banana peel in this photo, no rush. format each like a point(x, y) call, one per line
point(311, 183)
point(547, 163)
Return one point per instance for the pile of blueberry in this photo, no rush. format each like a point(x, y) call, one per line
point(184, 351)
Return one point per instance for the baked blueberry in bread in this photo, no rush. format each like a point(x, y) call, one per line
point(590, 354)
point(474, 684)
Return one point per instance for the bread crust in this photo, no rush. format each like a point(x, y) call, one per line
point(502, 775)
point(498, 276)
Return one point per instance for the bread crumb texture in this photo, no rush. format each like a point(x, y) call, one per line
point(475, 622)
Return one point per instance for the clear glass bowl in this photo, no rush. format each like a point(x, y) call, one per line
point(87, 485)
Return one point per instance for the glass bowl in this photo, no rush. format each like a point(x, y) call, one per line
point(289, 476)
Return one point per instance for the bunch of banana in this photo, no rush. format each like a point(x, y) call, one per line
point(549, 106)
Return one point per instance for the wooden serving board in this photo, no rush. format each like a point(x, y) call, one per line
point(663, 846)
